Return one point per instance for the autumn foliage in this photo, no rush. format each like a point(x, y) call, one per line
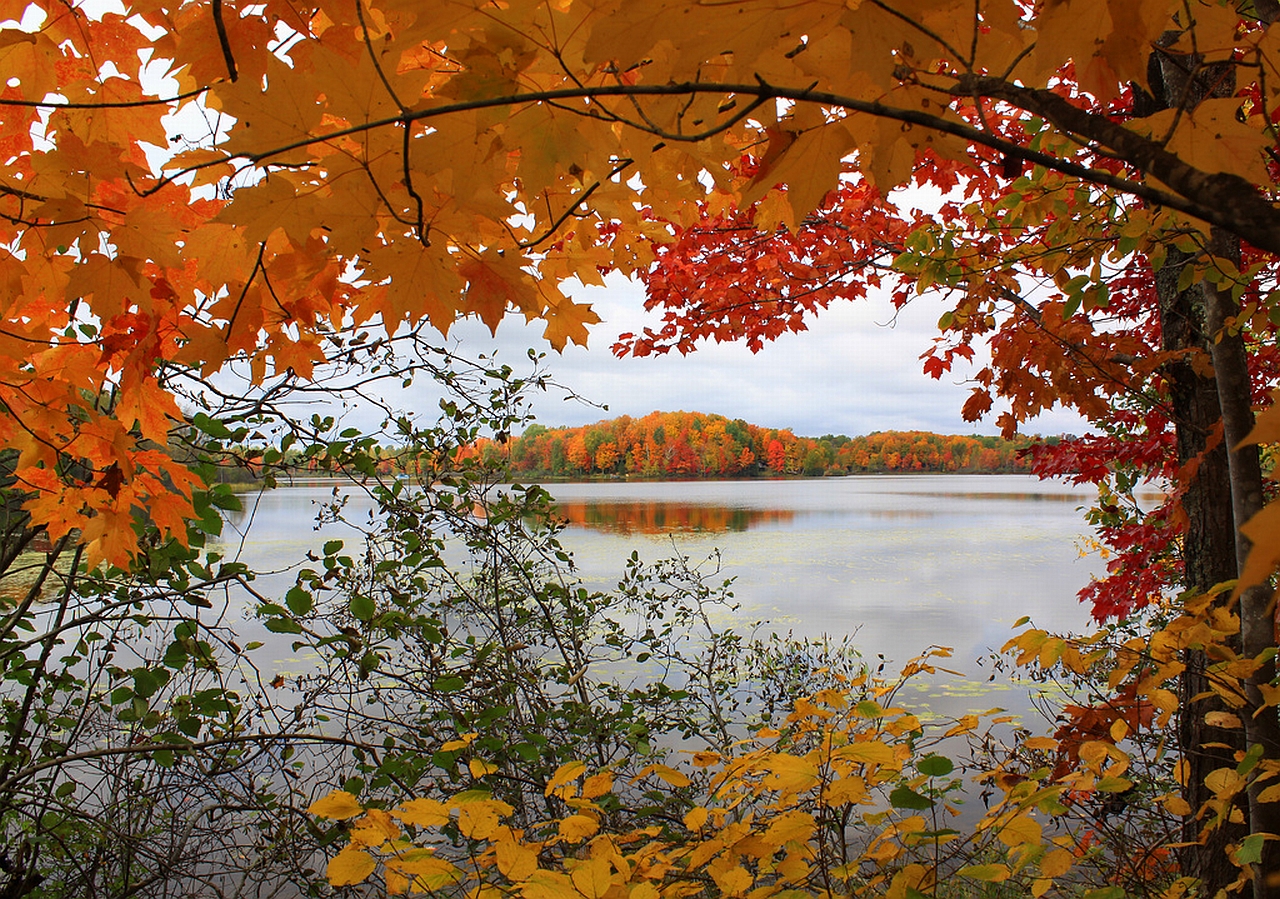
point(197, 192)
point(696, 445)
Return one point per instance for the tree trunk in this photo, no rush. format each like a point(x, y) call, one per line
point(1209, 545)
point(1257, 623)
point(1209, 558)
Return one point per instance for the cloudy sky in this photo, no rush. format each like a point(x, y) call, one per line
point(856, 370)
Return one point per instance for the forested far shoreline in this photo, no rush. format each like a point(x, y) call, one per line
point(699, 445)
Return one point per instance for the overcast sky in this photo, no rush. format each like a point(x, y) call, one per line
point(856, 370)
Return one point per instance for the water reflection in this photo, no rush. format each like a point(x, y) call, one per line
point(666, 517)
point(903, 562)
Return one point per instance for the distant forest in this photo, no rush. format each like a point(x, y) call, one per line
point(696, 445)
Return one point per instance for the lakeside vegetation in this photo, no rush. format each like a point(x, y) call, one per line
point(688, 445)
point(698, 445)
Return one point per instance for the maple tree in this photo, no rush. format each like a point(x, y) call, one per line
point(681, 444)
point(188, 186)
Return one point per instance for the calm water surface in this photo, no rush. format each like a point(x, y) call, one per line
point(902, 562)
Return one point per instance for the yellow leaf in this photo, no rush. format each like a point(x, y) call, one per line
point(478, 820)
point(643, 890)
point(668, 774)
point(517, 863)
point(397, 883)
point(548, 885)
point(1222, 719)
point(733, 882)
point(1181, 771)
point(1056, 862)
point(1264, 530)
point(1212, 138)
point(567, 321)
point(1119, 729)
point(565, 773)
point(912, 879)
point(1270, 794)
point(789, 826)
point(350, 866)
point(1176, 805)
point(1113, 784)
point(846, 791)
point(695, 818)
point(422, 863)
point(1164, 700)
point(1266, 429)
point(1041, 743)
point(374, 829)
point(871, 753)
point(1224, 782)
point(422, 813)
point(592, 878)
point(461, 743)
point(337, 806)
point(790, 774)
point(1020, 831)
point(597, 785)
point(965, 725)
point(480, 768)
point(809, 163)
point(577, 828)
point(986, 873)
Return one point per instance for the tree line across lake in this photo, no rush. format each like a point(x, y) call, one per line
point(694, 444)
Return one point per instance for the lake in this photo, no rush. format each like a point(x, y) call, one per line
point(900, 561)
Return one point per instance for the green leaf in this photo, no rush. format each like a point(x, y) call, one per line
point(211, 426)
point(283, 626)
point(869, 708)
point(362, 608)
point(147, 682)
point(299, 601)
point(1250, 760)
point(1250, 851)
point(935, 766)
point(331, 547)
point(905, 797)
point(175, 656)
point(1072, 306)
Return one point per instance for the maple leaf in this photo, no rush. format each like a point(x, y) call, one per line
point(151, 407)
point(567, 321)
point(1213, 138)
point(495, 283)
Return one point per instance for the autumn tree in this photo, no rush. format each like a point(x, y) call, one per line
point(192, 186)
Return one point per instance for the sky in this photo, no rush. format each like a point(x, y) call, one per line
point(856, 370)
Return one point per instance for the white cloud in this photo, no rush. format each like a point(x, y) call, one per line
point(856, 370)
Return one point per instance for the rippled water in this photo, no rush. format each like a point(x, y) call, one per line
point(903, 562)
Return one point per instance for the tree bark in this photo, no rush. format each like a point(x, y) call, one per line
point(1257, 624)
point(1209, 558)
point(1209, 546)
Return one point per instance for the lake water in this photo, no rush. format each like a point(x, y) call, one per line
point(902, 562)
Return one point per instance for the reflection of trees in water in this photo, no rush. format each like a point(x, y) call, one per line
point(902, 513)
point(664, 517)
